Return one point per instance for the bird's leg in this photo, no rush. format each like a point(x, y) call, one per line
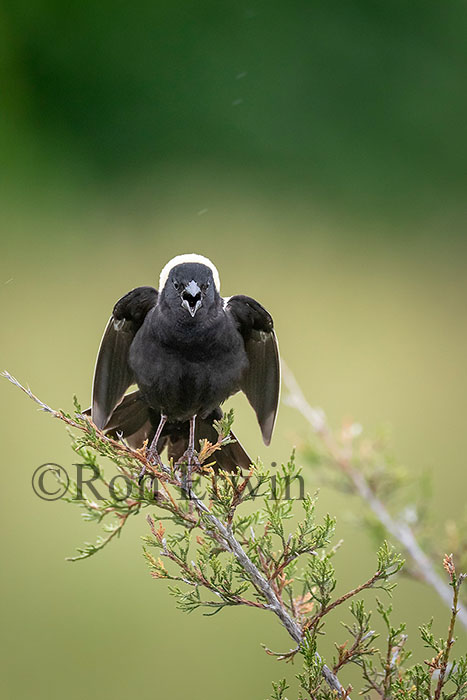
point(152, 453)
point(189, 456)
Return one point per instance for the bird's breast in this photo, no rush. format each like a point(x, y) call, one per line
point(188, 376)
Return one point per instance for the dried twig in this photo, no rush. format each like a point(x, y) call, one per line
point(341, 459)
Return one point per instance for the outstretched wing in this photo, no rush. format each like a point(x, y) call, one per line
point(112, 374)
point(261, 381)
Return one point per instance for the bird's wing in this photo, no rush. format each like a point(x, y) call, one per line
point(112, 375)
point(261, 381)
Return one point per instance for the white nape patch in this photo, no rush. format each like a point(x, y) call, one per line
point(188, 258)
point(225, 301)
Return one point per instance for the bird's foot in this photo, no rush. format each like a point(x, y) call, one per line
point(190, 458)
point(153, 458)
point(141, 475)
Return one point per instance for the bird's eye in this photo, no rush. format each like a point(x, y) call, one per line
point(177, 285)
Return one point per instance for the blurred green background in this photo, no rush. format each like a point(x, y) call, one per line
point(316, 152)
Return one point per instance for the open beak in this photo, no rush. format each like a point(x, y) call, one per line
point(191, 298)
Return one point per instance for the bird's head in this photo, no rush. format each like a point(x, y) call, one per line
point(191, 283)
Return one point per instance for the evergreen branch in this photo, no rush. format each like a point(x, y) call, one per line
point(262, 585)
point(237, 554)
point(89, 549)
point(200, 579)
point(389, 567)
point(341, 459)
point(229, 543)
point(220, 531)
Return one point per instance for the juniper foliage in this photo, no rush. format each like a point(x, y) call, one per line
point(226, 540)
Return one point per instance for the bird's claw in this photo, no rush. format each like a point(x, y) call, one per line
point(190, 458)
point(152, 458)
point(152, 479)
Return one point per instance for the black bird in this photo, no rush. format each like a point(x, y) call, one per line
point(188, 350)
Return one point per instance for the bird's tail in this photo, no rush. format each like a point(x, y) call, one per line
point(134, 421)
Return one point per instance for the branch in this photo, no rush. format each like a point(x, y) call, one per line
point(261, 584)
point(355, 591)
point(222, 532)
point(341, 459)
point(89, 549)
point(456, 582)
point(87, 426)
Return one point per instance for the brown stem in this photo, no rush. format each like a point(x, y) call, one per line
point(449, 640)
point(315, 619)
point(341, 459)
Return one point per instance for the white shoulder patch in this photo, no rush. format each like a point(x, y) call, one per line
point(188, 258)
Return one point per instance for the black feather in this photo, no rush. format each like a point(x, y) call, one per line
point(261, 381)
point(112, 374)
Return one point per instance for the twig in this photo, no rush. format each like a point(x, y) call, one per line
point(355, 591)
point(456, 583)
point(349, 653)
point(115, 531)
point(342, 460)
point(139, 454)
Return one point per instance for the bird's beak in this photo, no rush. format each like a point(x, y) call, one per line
point(191, 297)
